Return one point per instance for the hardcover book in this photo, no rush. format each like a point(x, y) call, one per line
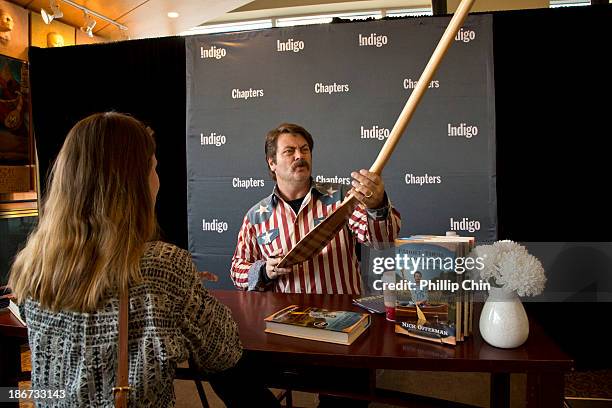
point(429, 300)
point(333, 326)
point(464, 309)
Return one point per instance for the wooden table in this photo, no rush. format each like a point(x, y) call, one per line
point(379, 347)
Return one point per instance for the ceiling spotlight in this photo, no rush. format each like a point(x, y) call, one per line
point(173, 14)
point(55, 12)
point(90, 23)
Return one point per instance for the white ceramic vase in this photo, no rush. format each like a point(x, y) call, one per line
point(503, 322)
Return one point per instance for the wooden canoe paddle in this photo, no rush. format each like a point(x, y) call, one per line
point(322, 234)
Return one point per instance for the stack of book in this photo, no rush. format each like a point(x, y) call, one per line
point(432, 303)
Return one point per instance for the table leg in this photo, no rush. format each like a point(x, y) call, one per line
point(545, 389)
point(500, 390)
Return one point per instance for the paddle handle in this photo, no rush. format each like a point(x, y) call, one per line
point(426, 77)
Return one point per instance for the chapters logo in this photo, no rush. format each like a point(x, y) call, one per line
point(465, 35)
point(212, 139)
point(238, 182)
point(212, 52)
point(373, 40)
point(321, 88)
point(214, 226)
point(289, 45)
point(409, 83)
point(247, 93)
point(462, 130)
point(334, 180)
point(420, 180)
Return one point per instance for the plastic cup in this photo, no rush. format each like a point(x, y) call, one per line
point(389, 295)
point(390, 313)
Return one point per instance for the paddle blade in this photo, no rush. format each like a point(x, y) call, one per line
point(313, 242)
point(421, 316)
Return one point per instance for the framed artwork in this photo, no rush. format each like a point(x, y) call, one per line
point(55, 34)
point(14, 112)
point(13, 30)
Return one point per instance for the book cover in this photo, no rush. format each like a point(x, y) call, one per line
point(334, 326)
point(428, 299)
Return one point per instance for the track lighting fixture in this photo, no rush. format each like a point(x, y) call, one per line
point(90, 23)
point(55, 12)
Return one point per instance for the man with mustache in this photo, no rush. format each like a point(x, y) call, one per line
point(274, 225)
point(298, 203)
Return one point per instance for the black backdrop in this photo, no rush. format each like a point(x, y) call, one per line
point(552, 96)
point(552, 114)
point(145, 78)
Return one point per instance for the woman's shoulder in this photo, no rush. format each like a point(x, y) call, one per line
point(161, 249)
point(164, 254)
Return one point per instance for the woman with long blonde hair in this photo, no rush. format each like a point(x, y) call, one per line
point(95, 239)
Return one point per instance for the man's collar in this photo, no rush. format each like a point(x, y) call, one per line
point(314, 187)
point(320, 188)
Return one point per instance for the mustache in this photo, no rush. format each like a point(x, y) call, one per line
point(299, 163)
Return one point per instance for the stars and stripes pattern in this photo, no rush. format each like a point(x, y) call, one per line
point(272, 224)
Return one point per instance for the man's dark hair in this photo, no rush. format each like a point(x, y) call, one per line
point(272, 139)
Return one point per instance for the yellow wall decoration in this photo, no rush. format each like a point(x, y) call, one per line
point(13, 31)
point(55, 34)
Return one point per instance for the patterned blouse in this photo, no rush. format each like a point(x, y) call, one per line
point(172, 317)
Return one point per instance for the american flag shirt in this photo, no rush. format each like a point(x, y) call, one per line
point(272, 223)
